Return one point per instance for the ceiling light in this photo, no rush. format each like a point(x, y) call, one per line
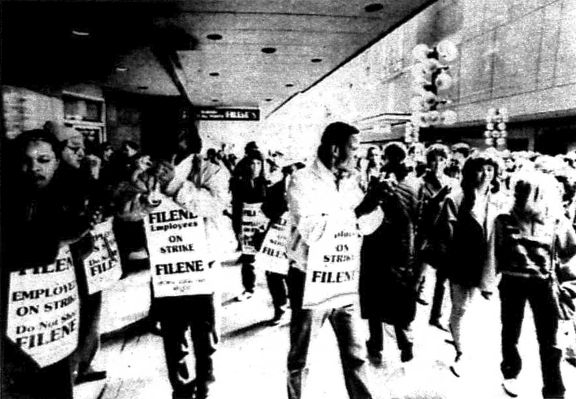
point(214, 100)
point(121, 69)
point(268, 99)
point(214, 74)
point(289, 84)
point(316, 60)
point(80, 32)
point(142, 87)
point(268, 50)
point(373, 7)
point(214, 36)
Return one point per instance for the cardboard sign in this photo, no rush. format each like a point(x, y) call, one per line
point(43, 310)
point(178, 251)
point(102, 266)
point(272, 255)
point(333, 267)
point(253, 221)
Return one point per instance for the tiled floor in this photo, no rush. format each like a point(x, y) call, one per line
point(251, 360)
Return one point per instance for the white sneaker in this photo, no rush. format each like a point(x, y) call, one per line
point(511, 387)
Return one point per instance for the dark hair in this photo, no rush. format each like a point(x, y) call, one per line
point(462, 148)
point(469, 170)
point(21, 142)
point(336, 134)
point(131, 144)
point(436, 150)
point(395, 152)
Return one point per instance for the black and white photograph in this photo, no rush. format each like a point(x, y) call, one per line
point(288, 199)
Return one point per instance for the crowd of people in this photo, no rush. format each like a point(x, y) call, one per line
point(343, 226)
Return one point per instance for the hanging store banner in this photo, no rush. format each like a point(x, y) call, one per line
point(102, 266)
point(178, 251)
point(333, 267)
point(227, 114)
point(43, 310)
point(253, 225)
point(272, 255)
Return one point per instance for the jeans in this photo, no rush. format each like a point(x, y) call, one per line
point(304, 327)
point(277, 287)
point(514, 293)
point(462, 298)
point(177, 315)
point(248, 273)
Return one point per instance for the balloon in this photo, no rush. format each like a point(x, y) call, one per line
point(447, 50)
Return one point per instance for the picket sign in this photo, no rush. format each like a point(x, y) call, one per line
point(272, 255)
point(253, 221)
point(178, 251)
point(43, 310)
point(333, 267)
point(102, 267)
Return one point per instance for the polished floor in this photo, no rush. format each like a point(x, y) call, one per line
point(251, 359)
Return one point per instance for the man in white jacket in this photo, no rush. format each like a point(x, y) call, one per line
point(326, 194)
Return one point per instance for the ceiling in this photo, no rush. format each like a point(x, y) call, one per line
point(166, 48)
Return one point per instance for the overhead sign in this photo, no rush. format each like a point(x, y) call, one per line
point(227, 114)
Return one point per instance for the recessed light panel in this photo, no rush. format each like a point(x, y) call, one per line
point(142, 87)
point(214, 36)
point(268, 50)
point(289, 84)
point(316, 60)
point(214, 74)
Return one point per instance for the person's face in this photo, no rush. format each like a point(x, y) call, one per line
point(164, 174)
point(437, 164)
point(74, 152)
point(255, 167)
point(346, 155)
point(460, 158)
point(108, 154)
point(374, 158)
point(509, 164)
point(128, 151)
point(485, 175)
point(144, 163)
point(39, 164)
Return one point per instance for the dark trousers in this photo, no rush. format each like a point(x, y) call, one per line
point(376, 341)
point(178, 315)
point(438, 299)
point(305, 325)
point(514, 293)
point(89, 332)
point(277, 287)
point(51, 382)
point(248, 273)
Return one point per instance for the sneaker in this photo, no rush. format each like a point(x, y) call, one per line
point(511, 387)
point(244, 296)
